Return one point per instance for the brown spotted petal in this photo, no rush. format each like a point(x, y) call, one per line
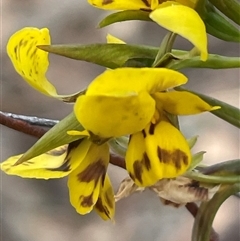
point(138, 164)
point(85, 181)
point(127, 188)
point(167, 150)
point(105, 205)
point(56, 163)
point(182, 190)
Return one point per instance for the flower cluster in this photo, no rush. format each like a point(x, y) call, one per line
point(140, 103)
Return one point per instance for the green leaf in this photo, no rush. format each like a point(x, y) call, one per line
point(231, 167)
point(124, 16)
point(227, 112)
point(196, 159)
point(218, 179)
point(119, 55)
point(55, 137)
point(218, 26)
point(192, 141)
point(203, 222)
point(230, 8)
point(214, 61)
point(107, 55)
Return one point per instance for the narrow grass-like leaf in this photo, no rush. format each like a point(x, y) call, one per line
point(203, 222)
point(227, 112)
point(196, 159)
point(107, 55)
point(119, 55)
point(224, 179)
point(214, 61)
point(230, 8)
point(231, 167)
point(55, 137)
point(125, 16)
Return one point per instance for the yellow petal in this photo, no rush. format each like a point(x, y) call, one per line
point(124, 81)
point(114, 40)
point(121, 4)
point(85, 181)
point(110, 116)
point(167, 150)
point(56, 163)
point(105, 205)
point(182, 103)
point(137, 161)
point(185, 22)
point(29, 61)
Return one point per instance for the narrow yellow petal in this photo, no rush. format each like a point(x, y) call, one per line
point(114, 40)
point(155, 3)
point(78, 133)
point(85, 181)
point(105, 205)
point(185, 22)
point(56, 163)
point(167, 150)
point(124, 81)
point(121, 4)
point(137, 161)
point(182, 103)
point(110, 116)
point(29, 61)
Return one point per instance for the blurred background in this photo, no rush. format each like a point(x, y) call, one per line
point(36, 210)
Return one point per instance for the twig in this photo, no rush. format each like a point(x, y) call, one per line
point(33, 120)
point(117, 161)
point(21, 126)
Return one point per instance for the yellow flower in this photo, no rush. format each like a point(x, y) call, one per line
point(30, 62)
point(131, 101)
point(84, 163)
point(176, 16)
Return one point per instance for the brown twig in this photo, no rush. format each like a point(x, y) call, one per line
point(22, 126)
point(117, 161)
point(192, 208)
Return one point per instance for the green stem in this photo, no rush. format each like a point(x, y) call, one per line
point(212, 179)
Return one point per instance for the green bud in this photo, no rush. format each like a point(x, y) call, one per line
point(230, 8)
point(219, 26)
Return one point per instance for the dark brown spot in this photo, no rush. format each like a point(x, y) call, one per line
point(108, 200)
point(144, 133)
point(33, 53)
point(151, 129)
point(146, 161)
point(105, 2)
point(94, 171)
point(30, 47)
point(176, 157)
point(102, 208)
point(170, 203)
point(132, 176)
point(58, 151)
point(86, 201)
point(73, 145)
point(146, 3)
point(137, 168)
